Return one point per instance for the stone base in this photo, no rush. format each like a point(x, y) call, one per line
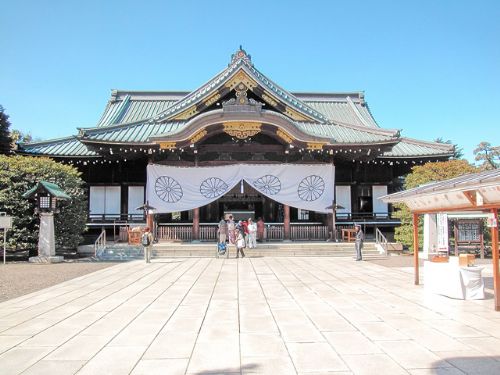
point(43, 259)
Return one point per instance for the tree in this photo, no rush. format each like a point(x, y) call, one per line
point(423, 174)
point(458, 152)
point(5, 141)
point(18, 136)
point(17, 175)
point(488, 156)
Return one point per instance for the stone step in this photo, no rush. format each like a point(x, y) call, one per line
point(181, 252)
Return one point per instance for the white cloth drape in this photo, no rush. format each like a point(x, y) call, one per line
point(305, 186)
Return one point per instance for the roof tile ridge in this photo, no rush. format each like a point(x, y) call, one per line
point(357, 113)
point(117, 126)
point(369, 129)
point(108, 105)
point(445, 146)
point(371, 114)
point(310, 111)
point(120, 111)
point(53, 140)
point(207, 85)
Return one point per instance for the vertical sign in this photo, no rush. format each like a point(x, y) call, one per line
point(442, 229)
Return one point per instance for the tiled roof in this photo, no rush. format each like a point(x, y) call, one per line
point(460, 183)
point(69, 146)
point(130, 133)
point(408, 147)
point(136, 106)
point(344, 112)
point(240, 64)
point(348, 134)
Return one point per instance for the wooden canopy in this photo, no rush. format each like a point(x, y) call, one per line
point(471, 192)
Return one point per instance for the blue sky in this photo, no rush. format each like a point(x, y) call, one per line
point(430, 68)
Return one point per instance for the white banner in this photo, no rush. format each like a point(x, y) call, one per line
point(442, 227)
point(309, 187)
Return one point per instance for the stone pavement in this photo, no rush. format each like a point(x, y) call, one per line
point(252, 315)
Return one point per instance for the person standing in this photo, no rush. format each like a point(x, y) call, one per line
point(231, 230)
point(360, 237)
point(222, 230)
point(147, 243)
point(240, 240)
point(244, 225)
point(252, 233)
point(260, 230)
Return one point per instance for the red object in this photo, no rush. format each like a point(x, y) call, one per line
point(245, 226)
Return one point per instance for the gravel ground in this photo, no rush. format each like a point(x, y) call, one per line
point(20, 278)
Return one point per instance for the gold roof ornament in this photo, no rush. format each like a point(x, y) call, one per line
point(284, 136)
point(315, 145)
point(242, 130)
point(195, 138)
point(167, 145)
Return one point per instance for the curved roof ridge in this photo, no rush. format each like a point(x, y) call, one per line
point(357, 113)
point(298, 103)
point(274, 89)
point(207, 85)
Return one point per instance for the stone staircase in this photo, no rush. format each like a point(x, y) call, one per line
point(268, 249)
point(120, 252)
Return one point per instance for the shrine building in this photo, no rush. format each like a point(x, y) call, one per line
point(240, 144)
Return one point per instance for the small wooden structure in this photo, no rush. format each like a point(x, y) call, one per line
point(468, 232)
point(471, 192)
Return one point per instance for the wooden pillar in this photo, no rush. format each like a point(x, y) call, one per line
point(494, 255)
point(196, 224)
point(150, 222)
point(286, 222)
point(415, 247)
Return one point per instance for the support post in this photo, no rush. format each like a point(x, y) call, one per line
point(415, 248)
point(286, 222)
point(196, 224)
point(151, 224)
point(494, 255)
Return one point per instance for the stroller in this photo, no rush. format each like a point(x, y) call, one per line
point(221, 250)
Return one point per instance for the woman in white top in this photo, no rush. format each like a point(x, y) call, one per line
point(252, 234)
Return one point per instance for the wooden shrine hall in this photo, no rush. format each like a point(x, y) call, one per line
point(241, 117)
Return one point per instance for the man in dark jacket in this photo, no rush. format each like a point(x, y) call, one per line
point(360, 237)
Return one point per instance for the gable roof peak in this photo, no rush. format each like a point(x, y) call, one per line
point(241, 54)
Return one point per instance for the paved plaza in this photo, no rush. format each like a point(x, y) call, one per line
point(253, 315)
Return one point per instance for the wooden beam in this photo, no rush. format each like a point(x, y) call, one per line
point(455, 208)
point(494, 255)
point(415, 248)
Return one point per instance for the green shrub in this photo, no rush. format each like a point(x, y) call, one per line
point(18, 174)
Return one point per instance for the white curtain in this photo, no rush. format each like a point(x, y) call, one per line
point(309, 187)
point(343, 198)
point(135, 199)
point(379, 207)
point(104, 200)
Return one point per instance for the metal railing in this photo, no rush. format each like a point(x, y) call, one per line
point(381, 242)
point(100, 243)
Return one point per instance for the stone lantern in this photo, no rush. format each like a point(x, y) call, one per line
point(46, 194)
